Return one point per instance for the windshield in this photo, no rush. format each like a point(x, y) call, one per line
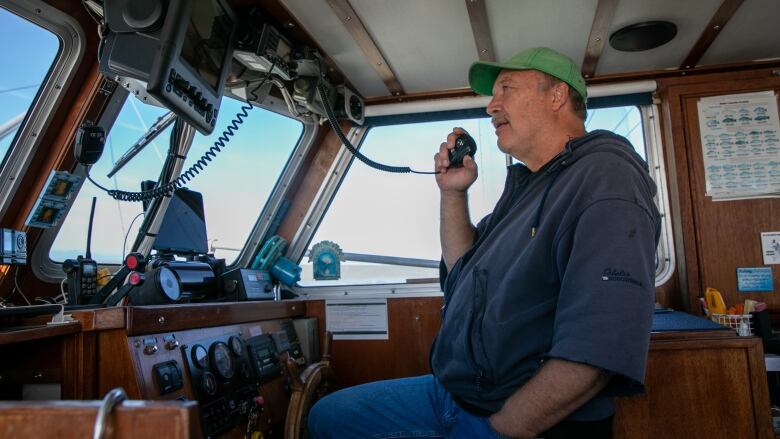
point(235, 185)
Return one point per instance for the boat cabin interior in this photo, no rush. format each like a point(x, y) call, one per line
point(215, 212)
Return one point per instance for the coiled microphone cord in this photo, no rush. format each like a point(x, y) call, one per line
point(183, 178)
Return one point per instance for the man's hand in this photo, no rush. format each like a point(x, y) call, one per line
point(457, 234)
point(453, 179)
point(557, 390)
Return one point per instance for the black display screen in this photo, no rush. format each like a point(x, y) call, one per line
point(8, 241)
point(206, 41)
point(262, 353)
point(183, 229)
point(90, 270)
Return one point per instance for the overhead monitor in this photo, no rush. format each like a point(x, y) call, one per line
point(181, 49)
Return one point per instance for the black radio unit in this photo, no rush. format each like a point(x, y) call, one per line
point(182, 49)
point(247, 284)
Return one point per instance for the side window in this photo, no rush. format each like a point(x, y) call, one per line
point(625, 121)
point(20, 81)
point(393, 219)
point(387, 225)
point(235, 185)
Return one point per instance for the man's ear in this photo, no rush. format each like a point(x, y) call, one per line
point(560, 95)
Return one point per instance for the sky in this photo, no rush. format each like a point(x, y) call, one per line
point(22, 74)
point(373, 212)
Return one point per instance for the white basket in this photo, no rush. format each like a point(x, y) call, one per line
point(743, 324)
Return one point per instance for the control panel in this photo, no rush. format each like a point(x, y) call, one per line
point(192, 96)
point(223, 381)
point(265, 359)
point(233, 372)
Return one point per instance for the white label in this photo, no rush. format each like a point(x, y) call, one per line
point(358, 319)
point(770, 247)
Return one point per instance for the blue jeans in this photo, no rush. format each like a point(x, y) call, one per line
point(417, 407)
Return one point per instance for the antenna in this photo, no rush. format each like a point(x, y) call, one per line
point(88, 254)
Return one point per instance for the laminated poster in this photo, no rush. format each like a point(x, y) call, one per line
point(739, 140)
point(357, 319)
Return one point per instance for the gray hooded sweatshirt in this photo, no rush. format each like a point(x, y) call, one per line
point(563, 267)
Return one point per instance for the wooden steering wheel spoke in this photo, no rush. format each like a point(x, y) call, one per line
point(308, 387)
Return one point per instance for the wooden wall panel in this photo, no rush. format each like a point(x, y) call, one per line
point(413, 323)
point(305, 186)
point(158, 318)
point(79, 361)
point(56, 355)
point(115, 365)
point(725, 378)
point(713, 239)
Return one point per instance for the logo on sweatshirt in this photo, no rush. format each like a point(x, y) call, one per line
point(618, 275)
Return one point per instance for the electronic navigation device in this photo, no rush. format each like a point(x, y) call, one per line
point(181, 49)
point(183, 228)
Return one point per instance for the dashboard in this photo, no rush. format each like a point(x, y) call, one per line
point(232, 371)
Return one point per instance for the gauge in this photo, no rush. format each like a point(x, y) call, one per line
point(169, 284)
point(221, 361)
point(200, 357)
point(236, 346)
point(208, 383)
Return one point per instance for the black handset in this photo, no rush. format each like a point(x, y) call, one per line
point(82, 271)
point(82, 279)
point(464, 145)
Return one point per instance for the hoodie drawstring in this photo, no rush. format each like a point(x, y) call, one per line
point(555, 170)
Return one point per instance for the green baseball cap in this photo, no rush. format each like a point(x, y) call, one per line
point(482, 74)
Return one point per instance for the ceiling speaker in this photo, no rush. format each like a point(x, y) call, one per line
point(643, 36)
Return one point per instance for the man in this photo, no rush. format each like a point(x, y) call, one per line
point(548, 301)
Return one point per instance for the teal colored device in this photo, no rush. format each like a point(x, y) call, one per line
point(270, 259)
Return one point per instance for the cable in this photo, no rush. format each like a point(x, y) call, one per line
point(337, 129)
point(198, 166)
point(130, 227)
point(16, 285)
point(62, 291)
point(25, 87)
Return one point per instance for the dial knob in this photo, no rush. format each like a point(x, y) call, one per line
point(143, 15)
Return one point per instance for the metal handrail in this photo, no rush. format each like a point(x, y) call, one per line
point(112, 398)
